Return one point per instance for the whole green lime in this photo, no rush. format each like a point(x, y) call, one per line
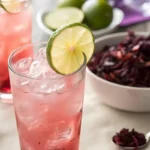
point(73, 3)
point(98, 14)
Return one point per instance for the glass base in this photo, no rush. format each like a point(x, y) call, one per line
point(6, 98)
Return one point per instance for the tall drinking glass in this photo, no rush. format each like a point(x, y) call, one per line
point(15, 31)
point(48, 106)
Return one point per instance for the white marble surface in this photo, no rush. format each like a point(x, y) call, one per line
point(100, 122)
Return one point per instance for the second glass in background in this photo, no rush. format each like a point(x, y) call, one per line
point(15, 31)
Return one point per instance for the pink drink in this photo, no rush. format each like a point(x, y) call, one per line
point(48, 106)
point(15, 30)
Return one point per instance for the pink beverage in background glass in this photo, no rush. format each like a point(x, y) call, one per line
point(15, 30)
point(48, 106)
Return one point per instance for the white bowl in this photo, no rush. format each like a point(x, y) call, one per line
point(115, 95)
point(117, 19)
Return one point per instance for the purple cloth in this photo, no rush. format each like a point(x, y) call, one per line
point(131, 16)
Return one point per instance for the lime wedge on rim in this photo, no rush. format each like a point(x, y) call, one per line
point(11, 6)
point(63, 16)
point(66, 47)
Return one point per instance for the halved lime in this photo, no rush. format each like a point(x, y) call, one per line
point(66, 47)
point(63, 16)
point(11, 6)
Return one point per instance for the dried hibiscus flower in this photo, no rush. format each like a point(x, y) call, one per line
point(127, 63)
point(128, 138)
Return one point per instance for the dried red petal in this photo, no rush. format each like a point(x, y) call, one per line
point(119, 55)
point(127, 63)
point(136, 48)
point(129, 138)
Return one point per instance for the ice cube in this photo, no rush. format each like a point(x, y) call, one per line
point(41, 55)
point(23, 65)
point(43, 86)
point(40, 68)
point(26, 86)
point(40, 86)
point(33, 111)
point(51, 86)
point(26, 83)
point(36, 69)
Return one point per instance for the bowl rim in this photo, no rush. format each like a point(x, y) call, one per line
point(110, 36)
point(99, 32)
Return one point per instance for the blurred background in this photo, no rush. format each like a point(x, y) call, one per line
point(136, 15)
point(38, 34)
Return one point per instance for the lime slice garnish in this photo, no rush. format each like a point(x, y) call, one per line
point(66, 47)
point(63, 16)
point(11, 6)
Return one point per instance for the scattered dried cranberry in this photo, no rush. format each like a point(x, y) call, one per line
point(129, 138)
point(127, 63)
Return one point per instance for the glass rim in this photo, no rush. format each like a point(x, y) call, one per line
point(25, 76)
point(10, 1)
